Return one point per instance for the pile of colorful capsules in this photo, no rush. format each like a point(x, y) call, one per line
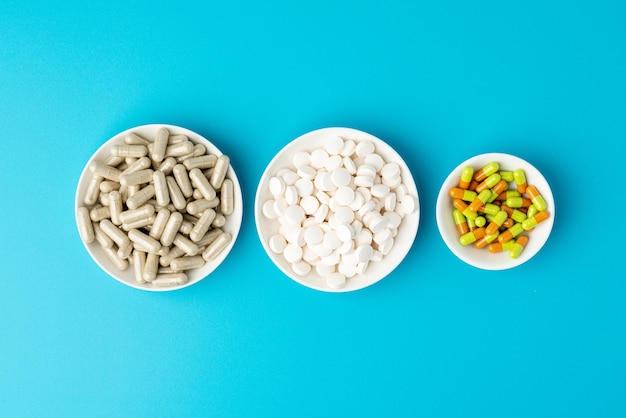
point(489, 214)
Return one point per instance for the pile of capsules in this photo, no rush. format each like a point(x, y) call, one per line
point(158, 206)
point(490, 215)
point(339, 208)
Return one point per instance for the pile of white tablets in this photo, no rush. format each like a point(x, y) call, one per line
point(339, 208)
point(158, 206)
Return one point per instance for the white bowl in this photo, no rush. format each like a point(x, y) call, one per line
point(268, 227)
point(481, 258)
point(232, 226)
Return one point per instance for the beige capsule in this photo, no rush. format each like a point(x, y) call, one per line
point(209, 237)
point(161, 191)
point(114, 161)
point(151, 267)
point(177, 139)
point(107, 186)
point(93, 190)
point(201, 162)
point(202, 183)
point(196, 207)
point(219, 171)
point(184, 243)
point(186, 226)
point(187, 263)
point(124, 252)
point(139, 223)
point(141, 197)
point(120, 263)
point(142, 163)
point(116, 206)
point(217, 246)
point(103, 239)
point(170, 279)
point(99, 213)
point(219, 221)
point(146, 241)
point(182, 179)
point(136, 177)
point(160, 144)
point(85, 228)
point(227, 197)
point(160, 221)
point(117, 235)
point(171, 228)
point(132, 151)
point(100, 169)
point(179, 149)
point(132, 215)
point(198, 150)
point(176, 195)
point(132, 138)
point(167, 165)
point(202, 226)
point(174, 252)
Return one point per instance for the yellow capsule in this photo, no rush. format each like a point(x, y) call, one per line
point(486, 171)
point(518, 246)
point(520, 180)
point(472, 236)
point(466, 177)
point(536, 198)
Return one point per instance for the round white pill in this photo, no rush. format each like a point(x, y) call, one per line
point(323, 269)
point(276, 186)
point(331, 240)
point(293, 234)
point(344, 195)
point(318, 158)
point(390, 202)
point(295, 214)
point(349, 165)
point(344, 215)
point(378, 223)
point(292, 253)
point(291, 195)
point(390, 170)
point(290, 177)
point(334, 145)
point(313, 235)
point(364, 237)
point(280, 206)
point(268, 209)
point(358, 201)
point(322, 197)
point(335, 280)
point(393, 219)
point(321, 250)
point(301, 158)
point(304, 187)
point(380, 190)
point(331, 259)
point(361, 267)
point(375, 161)
point(307, 172)
point(277, 243)
point(333, 162)
point(346, 247)
point(341, 177)
point(366, 170)
point(301, 268)
point(310, 204)
point(381, 236)
point(364, 148)
point(349, 147)
point(364, 253)
point(408, 204)
point(364, 181)
point(345, 233)
point(321, 213)
point(386, 246)
point(392, 182)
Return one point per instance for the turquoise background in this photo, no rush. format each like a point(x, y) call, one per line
point(440, 82)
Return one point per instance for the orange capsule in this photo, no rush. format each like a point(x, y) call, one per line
point(472, 185)
point(484, 241)
point(472, 236)
point(497, 247)
point(466, 177)
point(488, 183)
point(508, 222)
point(507, 194)
point(463, 194)
point(520, 179)
point(463, 207)
point(497, 222)
point(460, 221)
point(500, 187)
point(536, 198)
point(480, 200)
point(510, 233)
point(534, 220)
point(486, 171)
point(518, 246)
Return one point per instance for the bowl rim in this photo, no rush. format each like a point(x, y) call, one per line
point(474, 258)
point(196, 275)
point(400, 251)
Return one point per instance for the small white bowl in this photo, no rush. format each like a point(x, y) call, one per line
point(268, 227)
point(232, 226)
point(482, 258)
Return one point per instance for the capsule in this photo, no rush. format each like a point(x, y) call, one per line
point(203, 162)
point(533, 221)
point(532, 210)
point(171, 228)
point(460, 221)
point(159, 223)
point(160, 144)
point(136, 177)
point(182, 178)
point(507, 176)
point(536, 198)
point(463, 207)
point(167, 166)
point(520, 180)
point(187, 262)
point(486, 240)
point(102, 170)
point(500, 187)
point(489, 182)
point(139, 262)
point(463, 194)
point(217, 246)
point(132, 215)
point(185, 244)
point(473, 185)
point(85, 227)
point(489, 209)
point(151, 267)
point(227, 197)
point(170, 279)
point(161, 191)
point(120, 263)
point(115, 206)
point(472, 236)
point(147, 242)
point(515, 214)
point(497, 247)
point(466, 177)
point(507, 194)
point(480, 200)
point(471, 224)
point(480, 221)
point(486, 171)
point(202, 183)
point(518, 246)
point(93, 190)
point(179, 149)
point(219, 171)
point(518, 202)
point(510, 233)
point(133, 151)
point(176, 195)
point(496, 223)
point(202, 226)
point(103, 239)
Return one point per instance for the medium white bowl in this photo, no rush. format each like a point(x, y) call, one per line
point(482, 258)
point(268, 227)
point(232, 226)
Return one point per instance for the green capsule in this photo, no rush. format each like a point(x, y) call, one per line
point(490, 209)
point(492, 180)
point(518, 246)
point(506, 176)
point(509, 194)
point(469, 214)
point(472, 236)
point(458, 217)
point(532, 211)
point(480, 221)
point(466, 177)
point(490, 168)
point(518, 216)
point(484, 196)
point(514, 202)
point(520, 179)
point(492, 237)
point(493, 197)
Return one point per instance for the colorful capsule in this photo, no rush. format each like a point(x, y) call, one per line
point(464, 208)
point(488, 183)
point(480, 200)
point(508, 194)
point(533, 221)
point(480, 221)
point(536, 198)
point(515, 214)
point(489, 209)
point(532, 210)
point(473, 185)
point(507, 176)
point(500, 187)
point(486, 171)
point(460, 221)
point(518, 246)
point(518, 202)
point(508, 223)
point(472, 236)
point(510, 233)
point(520, 180)
point(497, 247)
point(496, 223)
point(466, 177)
point(463, 194)
point(471, 223)
point(486, 240)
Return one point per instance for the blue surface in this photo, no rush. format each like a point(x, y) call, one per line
point(440, 82)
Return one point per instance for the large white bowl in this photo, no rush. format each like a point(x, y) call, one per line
point(481, 258)
point(267, 227)
point(232, 226)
